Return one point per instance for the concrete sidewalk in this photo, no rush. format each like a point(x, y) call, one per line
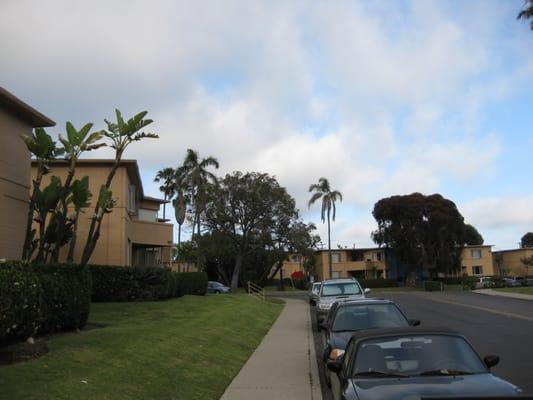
point(490, 292)
point(284, 365)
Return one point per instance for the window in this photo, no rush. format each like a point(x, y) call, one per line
point(147, 215)
point(475, 253)
point(477, 270)
point(357, 255)
point(336, 257)
point(132, 199)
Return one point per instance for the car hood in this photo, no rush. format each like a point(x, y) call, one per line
point(333, 299)
point(416, 387)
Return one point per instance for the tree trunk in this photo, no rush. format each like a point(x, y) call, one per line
point(39, 259)
point(72, 244)
point(236, 272)
point(164, 207)
point(329, 250)
point(26, 250)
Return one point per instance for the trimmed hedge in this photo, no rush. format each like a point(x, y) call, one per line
point(377, 283)
point(42, 299)
point(115, 283)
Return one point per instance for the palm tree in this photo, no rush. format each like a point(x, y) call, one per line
point(180, 211)
point(168, 188)
point(195, 177)
point(527, 12)
point(322, 190)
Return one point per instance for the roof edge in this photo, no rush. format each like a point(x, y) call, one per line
point(24, 110)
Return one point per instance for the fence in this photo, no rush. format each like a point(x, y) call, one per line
point(256, 291)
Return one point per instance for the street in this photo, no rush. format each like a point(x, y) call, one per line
point(494, 325)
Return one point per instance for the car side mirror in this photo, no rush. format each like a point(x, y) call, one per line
point(367, 290)
point(323, 325)
point(414, 322)
point(335, 365)
point(491, 361)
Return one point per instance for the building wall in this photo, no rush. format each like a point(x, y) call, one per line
point(120, 231)
point(510, 261)
point(369, 267)
point(473, 266)
point(14, 185)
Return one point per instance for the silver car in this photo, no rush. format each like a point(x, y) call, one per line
point(313, 293)
point(335, 290)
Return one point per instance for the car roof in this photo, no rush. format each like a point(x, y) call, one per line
point(402, 331)
point(340, 280)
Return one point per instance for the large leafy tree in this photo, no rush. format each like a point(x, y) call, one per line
point(322, 191)
point(527, 12)
point(528, 262)
point(426, 231)
point(166, 177)
point(193, 176)
point(472, 237)
point(527, 240)
point(251, 210)
point(121, 134)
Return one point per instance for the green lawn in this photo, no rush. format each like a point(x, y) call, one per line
point(188, 348)
point(522, 289)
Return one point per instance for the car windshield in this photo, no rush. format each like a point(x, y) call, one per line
point(368, 316)
point(417, 356)
point(340, 289)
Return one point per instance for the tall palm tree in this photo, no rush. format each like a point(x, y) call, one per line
point(168, 188)
point(322, 190)
point(194, 176)
point(527, 12)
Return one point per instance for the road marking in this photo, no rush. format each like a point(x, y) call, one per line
point(504, 313)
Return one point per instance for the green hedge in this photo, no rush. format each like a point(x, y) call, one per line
point(115, 283)
point(377, 283)
point(42, 299)
point(192, 282)
point(20, 302)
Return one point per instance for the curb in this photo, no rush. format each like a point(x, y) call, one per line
point(490, 292)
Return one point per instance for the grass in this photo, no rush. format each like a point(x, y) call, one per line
point(188, 348)
point(522, 290)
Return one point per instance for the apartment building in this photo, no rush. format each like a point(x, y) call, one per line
point(477, 261)
point(16, 118)
point(132, 234)
point(509, 262)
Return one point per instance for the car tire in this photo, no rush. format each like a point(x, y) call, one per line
point(217, 291)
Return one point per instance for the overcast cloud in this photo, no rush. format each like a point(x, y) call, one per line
point(381, 97)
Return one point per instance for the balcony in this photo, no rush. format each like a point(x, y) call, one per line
point(151, 233)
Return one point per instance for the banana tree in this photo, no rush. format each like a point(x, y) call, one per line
point(44, 149)
point(80, 198)
point(121, 134)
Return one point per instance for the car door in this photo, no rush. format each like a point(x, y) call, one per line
point(340, 384)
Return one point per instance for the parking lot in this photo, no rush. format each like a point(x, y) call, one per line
point(500, 326)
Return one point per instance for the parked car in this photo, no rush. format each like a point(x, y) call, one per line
point(217, 287)
point(313, 292)
point(348, 317)
point(484, 282)
point(334, 290)
point(512, 282)
point(401, 363)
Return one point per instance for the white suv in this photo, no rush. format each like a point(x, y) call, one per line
point(335, 290)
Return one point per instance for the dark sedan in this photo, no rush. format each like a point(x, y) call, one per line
point(348, 317)
point(415, 363)
point(217, 287)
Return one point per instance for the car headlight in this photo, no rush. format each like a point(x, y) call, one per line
point(324, 306)
point(335, 353)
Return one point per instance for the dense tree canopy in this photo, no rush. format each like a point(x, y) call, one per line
point(423, 230)
point(472, 236)
point(527, 240)
point(256, 215)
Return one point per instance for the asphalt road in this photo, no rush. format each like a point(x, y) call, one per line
point(494, 325)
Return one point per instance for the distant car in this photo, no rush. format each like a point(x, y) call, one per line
point(484, 282)
point(335, 290)
point(313, 292)
point(217, 287)
point(414, 363)
point(347, 317)
point(512, 282)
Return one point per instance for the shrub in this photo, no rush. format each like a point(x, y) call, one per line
point(113, 283)
point(193, 283)
point(433, 286)
point(20, 301)
point(66, 296)
point(377, 283)
point(301, 283)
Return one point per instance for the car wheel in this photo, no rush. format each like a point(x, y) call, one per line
point(217, 291)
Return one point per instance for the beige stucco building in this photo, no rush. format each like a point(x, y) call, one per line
point(509, 263)
point(132, 234)
point(16, 118)
point(477, 261)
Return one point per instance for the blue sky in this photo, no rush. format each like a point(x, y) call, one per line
point(382, 98)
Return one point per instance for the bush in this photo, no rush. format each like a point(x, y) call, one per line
point(20, 302)
point(377, 283)
point(301, 283)
point(66, 296)
point(193, 283)
point(42, 299)
point(433, 286)
point(113, 283)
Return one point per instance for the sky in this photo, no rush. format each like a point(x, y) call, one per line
point(382, 98)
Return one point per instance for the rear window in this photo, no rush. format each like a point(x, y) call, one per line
point(341, 289)
point(370, 316)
